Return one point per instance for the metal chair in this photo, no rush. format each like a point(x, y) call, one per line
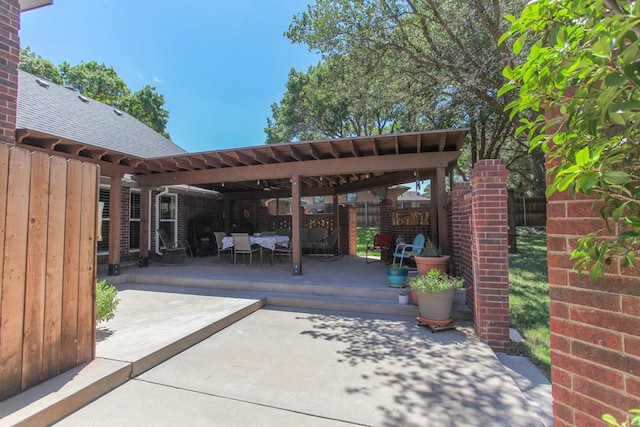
point(328, 248)
point(382, 244)
point(175, 247)
point(408, 250)
point(242, 245)
point(219, 236)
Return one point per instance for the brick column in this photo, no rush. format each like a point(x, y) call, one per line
point(490, 258)
point(348, 229)
point(595, 326)
point(9, 58)
point(387, 206)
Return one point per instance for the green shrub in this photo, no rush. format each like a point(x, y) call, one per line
point(106, 301)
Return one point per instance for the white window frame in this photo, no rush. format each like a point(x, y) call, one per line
point(131, 192)
point(159, 220)
point(105, 219)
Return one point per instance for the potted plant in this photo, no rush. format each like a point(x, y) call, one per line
point(397, 275)
point(435, 292)
point(431, 257)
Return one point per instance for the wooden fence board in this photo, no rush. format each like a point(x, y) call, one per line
point(48, 229)
point(55, 262)
point(71, 264)
point(4, 177)
point(11, 328)
point(32, 349)
point(86, 273)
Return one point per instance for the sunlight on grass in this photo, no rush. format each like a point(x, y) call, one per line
point(529, 300)
point(365, 235)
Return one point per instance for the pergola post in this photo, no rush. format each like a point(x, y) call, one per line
point(295, 224)
point(145, 203)
point(115, 225)
point(441, 203)
point(336, 215)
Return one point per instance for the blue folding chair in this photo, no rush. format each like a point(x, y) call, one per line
point(408, 250)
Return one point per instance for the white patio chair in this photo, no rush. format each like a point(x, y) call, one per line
point(242, 245)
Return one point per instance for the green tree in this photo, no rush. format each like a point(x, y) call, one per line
point(38, 66)
point(102, 83)
point(147, 106)
point(583, 67)
point(437, 55)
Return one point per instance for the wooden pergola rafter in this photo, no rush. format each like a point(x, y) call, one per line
point(326, 167)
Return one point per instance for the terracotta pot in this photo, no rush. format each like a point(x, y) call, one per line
point(436, 306)
point(425, 263)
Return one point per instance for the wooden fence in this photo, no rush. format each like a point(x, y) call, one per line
point(368, 214)
point(48, 209)
point(530, 211)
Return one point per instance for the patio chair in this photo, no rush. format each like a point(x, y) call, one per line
point(405, 251)
point(242, 245)
point(382, 244)
point(328, 248)
point(280, 249)
point(173, 248)
point(219, 236)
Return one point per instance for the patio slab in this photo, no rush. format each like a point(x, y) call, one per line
point(284, 367)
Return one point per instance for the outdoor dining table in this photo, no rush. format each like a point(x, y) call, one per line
point(267, 242)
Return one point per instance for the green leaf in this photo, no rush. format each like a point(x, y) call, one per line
point(614, 79)
point(596, 272)
point(616, 177)
point(624, 106)
point(587, 181)
point(582, 156)
point(519, 44)
point(506, 88)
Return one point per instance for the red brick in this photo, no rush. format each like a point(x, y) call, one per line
point(557, 277)
point(559, 343)
point(605, 357)
point(631, 306)
point(605, 319)
point(558, 309)
point(586, 297)
point(580, 368)
point(632, 386)
point(590, 334)
point(556, 244)
point(632, 345)
point(563, 415)
point(559, 376)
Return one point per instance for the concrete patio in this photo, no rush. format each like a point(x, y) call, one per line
point(222, 354)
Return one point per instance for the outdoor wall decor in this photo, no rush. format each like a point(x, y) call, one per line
point(410, 218)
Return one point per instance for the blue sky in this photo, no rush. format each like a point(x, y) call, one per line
point(219, 64)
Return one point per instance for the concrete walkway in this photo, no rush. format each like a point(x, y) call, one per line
point(279, 367)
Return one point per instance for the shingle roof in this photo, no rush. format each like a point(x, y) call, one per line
point(61, 112)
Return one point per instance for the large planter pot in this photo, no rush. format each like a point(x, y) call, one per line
point(397, 278)
point(436, 307)
point(426, 264)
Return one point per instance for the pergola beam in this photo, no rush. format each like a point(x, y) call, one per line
point(345, 166)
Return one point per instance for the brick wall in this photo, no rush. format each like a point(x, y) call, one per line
point(9, 58)
point(348, 217)
point(595, 326)
point(461, 237)
point(479, 228)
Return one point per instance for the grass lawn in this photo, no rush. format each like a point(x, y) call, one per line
point(366, 235)
point(529, 300)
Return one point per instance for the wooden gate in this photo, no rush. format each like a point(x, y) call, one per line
point(48, 228)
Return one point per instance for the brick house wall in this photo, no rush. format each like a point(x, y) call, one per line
point(461, 237)
point(9, 58)
point(595, 326)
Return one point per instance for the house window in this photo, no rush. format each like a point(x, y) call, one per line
point(103, 245)
point(352, 197)
point(134, 220)
point(168, 215)
point(318, 199)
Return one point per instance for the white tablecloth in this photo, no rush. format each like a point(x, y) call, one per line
point(268, 242)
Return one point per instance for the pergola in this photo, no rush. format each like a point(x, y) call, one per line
point(312, 168)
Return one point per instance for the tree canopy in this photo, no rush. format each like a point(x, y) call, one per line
point(102, 83)
point(405, 65)
point(583, 71)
